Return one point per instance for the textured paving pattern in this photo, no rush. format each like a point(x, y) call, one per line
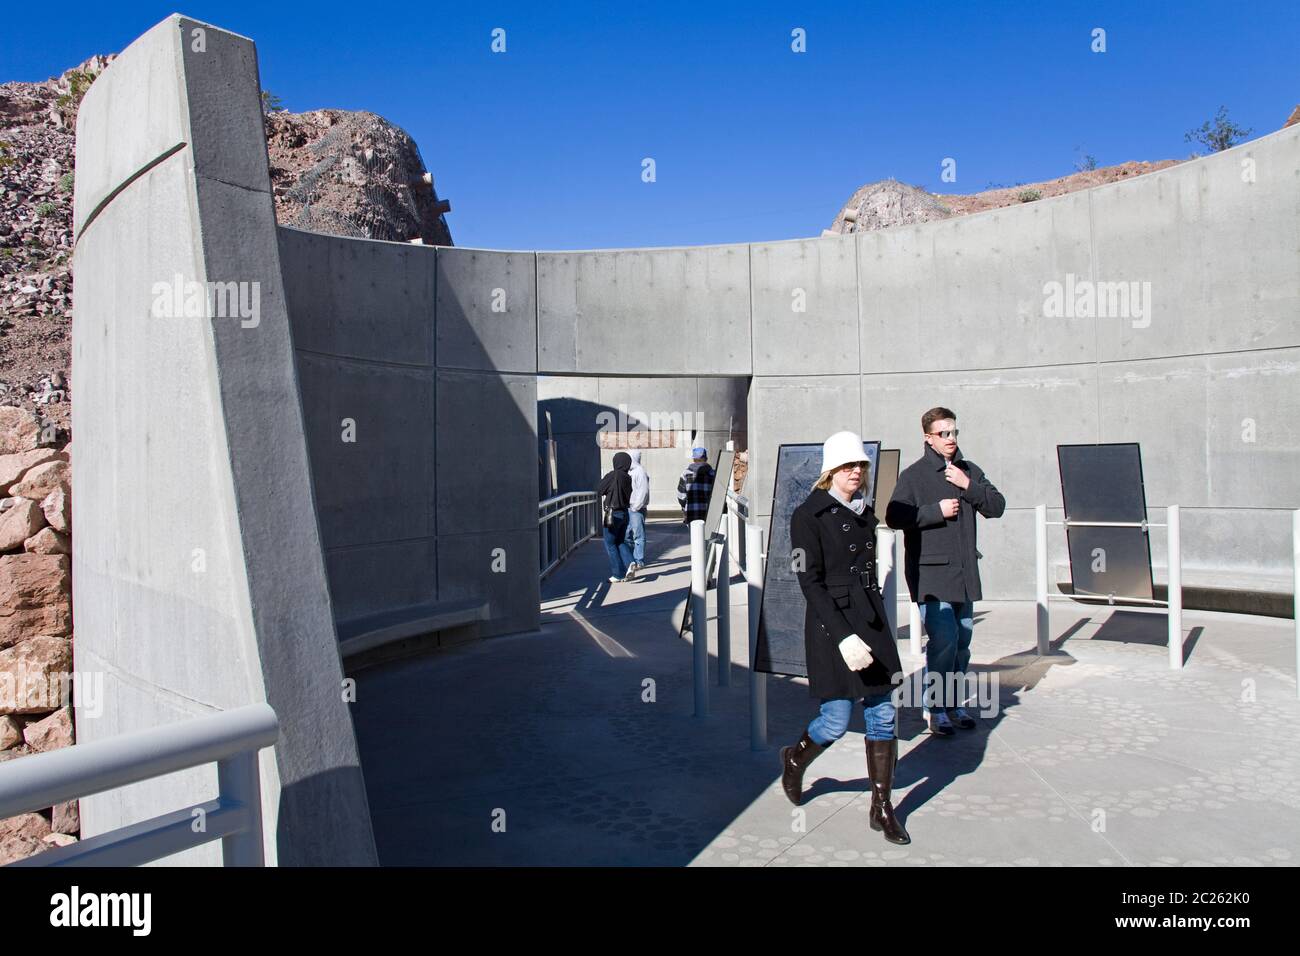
point(543, 749)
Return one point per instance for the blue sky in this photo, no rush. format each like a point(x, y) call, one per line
point(541, 147)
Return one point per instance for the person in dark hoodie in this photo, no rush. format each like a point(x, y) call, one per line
point(616, 489)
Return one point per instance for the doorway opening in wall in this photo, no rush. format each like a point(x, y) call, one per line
point(583, 421)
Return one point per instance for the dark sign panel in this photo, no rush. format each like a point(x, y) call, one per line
point(780, 647)
point(888, 478)
point(1104, 483)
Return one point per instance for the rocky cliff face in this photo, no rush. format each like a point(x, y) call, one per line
point(352, 174)
point(333, 171)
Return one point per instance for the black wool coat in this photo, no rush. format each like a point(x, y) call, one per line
point(833, 554)
point(941, 562)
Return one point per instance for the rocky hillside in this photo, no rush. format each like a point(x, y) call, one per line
point(333, 171)
point(352, 174)
point(888, 202)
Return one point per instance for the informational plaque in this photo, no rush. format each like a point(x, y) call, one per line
point(886, 480)
point(780, 647)
point(1104, 483)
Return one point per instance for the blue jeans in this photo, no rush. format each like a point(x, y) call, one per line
point(947, 652)
point(636, 531)
point(830, 725)
point(616, 543)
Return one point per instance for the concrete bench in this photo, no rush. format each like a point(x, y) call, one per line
point(402, 632)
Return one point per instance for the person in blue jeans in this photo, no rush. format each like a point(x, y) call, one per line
point(849, 649)
point(935, 503)
point(616, 489)
point(636, 513)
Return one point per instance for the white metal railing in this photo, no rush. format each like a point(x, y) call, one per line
point(1175, 596)
point(563, 523)
point(231, 739)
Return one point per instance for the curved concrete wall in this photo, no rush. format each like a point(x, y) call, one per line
point(198, 583)
point(238, 450)
point(419, 388)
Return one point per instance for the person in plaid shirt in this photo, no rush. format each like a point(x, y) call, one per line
point(695, 486)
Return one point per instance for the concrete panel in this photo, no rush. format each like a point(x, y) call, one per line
point(1195, 417)
point(1252, 413)
point(1162, 405)
point(499, 565)
point(232, 391)
point(805, 319)
point(487, 310)
point(968, 293)
point(359, 298)
point(368, 579)
point(486, 452)
point(164, 604)
point(1010, 421)
point(784, 410)
point(572, 401)
point(378, 486)
point(1222, 252)
point(129, 118)
point(632, 312)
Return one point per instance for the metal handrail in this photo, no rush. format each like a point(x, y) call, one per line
point(560, 530)
point(231, 739)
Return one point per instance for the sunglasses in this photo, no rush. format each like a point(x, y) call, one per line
point(945, 434)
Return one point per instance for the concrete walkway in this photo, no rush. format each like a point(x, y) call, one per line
point(542, 749)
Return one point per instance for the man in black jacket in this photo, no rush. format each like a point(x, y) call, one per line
point(934, 505)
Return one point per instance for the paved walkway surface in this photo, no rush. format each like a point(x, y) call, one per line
point(543, 748)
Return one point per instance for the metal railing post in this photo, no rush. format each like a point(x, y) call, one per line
point(237, 781)
point(724, 608)
point(1295, 590)
point(1044, 620)
point(700, 617)
point(1175, 589)
point(757, 680)
point(888, 576)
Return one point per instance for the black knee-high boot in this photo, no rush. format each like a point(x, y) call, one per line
point(882, 756)
point(794, 761)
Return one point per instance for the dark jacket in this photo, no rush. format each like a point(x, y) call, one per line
point(616, 486)
point(831, 550)
point(694, 489)
point(941, 560)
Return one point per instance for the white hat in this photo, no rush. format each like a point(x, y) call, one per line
point(840, 449)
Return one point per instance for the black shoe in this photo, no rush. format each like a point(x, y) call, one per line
point(794, 761)
point(940, 724)
point(882, 757)
point(962, 719)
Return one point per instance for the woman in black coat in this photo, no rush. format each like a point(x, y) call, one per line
point(850, 650)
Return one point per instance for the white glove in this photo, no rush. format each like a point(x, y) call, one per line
point(856, 653)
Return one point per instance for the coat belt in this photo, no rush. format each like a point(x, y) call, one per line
point(862, 578)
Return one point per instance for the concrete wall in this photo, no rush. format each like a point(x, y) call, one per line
point(198, 580)
point(226, 522)
point(417, 368)
point(867, 331)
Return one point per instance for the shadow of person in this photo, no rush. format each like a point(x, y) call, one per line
point(936, 762)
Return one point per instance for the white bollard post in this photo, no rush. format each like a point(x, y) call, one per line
point(887, 575)
point(724, 609)
point(1295, 590)
point(914, 629)
point(1040, 580)
point(757, 680)
point(700, 617)
point(1175, 590)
